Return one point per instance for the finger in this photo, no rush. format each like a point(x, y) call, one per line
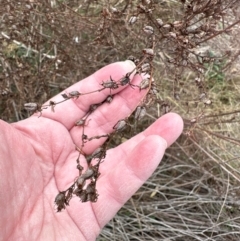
point(126, 169)
point(124, 179)
point(105, 117)
point(71, 110)
point(169, 127)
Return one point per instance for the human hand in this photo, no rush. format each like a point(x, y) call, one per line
point(38, 158)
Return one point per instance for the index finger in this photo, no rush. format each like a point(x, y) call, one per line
point(69, 111)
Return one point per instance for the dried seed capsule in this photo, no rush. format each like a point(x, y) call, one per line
point(207, 59)
point(132, 58)
point(99, 153)
point(52, 104)
point(207, 102)
point(80, 122)
point(81, 182)
point(74, 93)
point(93, 107)
point(132, 20)
point(69, 195)
point(60, 201)
point(148, 52)
point(154, 90)
point(202, 96)
point(77, 191)
point(172, 34)
point(110, 84)
point(194, 120)
point(166, 26)
point(88, 158)
point(88, 174)
point(114, 10)
point(83, 196)
point(184, 62)
point(177, 24)
point(31, 106)
point(196, 8)
point(91, 188)
point(159, 22)
point(5, 91)
point(185, 41)
point(65, 96)
point(84, 137)
point(198, 80)
point(60, 198)
point(140, 112)
point(137, 61)
point(80, 168)
point(148, 30)
point(92, 197)
point(144, 83)
point(120, 125)
point(166, 108)
point(176, 96)
point(142, 9)
point(145, 67)
point(109, 99)
point(125, 80)
point(147, 1)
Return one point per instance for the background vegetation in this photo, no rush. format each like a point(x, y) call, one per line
point(45, 46)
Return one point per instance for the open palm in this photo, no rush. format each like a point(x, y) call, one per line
point(38, 159)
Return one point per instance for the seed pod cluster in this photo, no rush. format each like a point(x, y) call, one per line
point(140, 112)
point(84, 187)
point(148, 30)
point(132, 20)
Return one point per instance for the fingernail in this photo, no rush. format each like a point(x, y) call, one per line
point(165, 143)
point(130, 63)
